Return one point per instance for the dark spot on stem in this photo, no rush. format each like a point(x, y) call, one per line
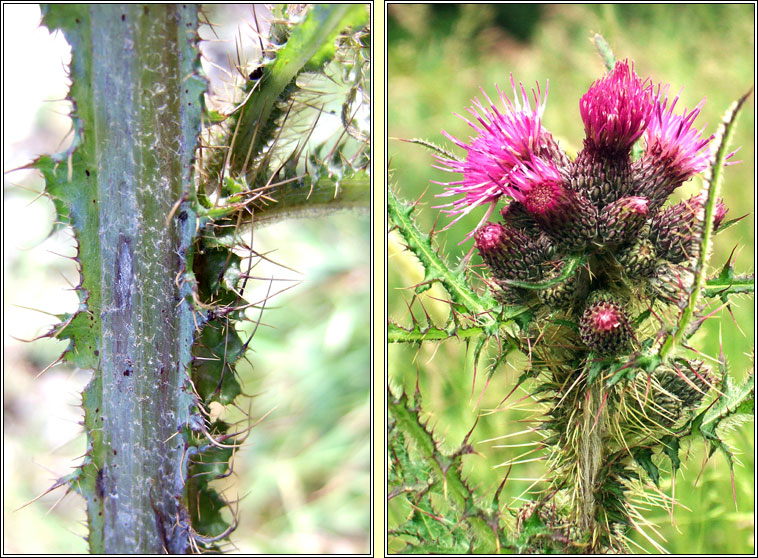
point(99, 481)
point(183, 216)
point(86, 171)
point(127, 372)
point(123, 17)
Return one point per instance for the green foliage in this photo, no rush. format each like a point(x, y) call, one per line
point(321, 68)
point(443, 514)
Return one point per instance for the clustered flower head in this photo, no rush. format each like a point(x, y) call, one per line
point(604, 205)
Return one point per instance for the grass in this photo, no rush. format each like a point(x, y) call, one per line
point(437, 60)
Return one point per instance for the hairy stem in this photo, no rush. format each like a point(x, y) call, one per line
point(137, 120)
point(590, 455)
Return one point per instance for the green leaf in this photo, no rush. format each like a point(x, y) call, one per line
point(644, 458)
point(310, 45)
point(481, 307)
point(207, 515)
point(670, 446)
point(446, 515)
point(215, 351)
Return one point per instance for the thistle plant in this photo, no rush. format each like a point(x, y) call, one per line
point(162, 192)
point(600, 283)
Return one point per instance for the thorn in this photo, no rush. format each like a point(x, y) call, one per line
point(60, 482)
point(49, 366)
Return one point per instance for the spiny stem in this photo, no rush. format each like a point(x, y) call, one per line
point(713, 182)
point(590, 454)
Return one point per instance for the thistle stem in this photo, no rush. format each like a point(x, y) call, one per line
point(590, 455)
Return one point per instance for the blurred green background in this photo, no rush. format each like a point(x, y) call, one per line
point(438, 57)
point(303, 476)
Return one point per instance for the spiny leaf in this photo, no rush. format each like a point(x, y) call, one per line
point(644, 457)
point(728, 283)
point(446, 515)
point(417, 333)
point(736, 400)
point(309, 46)
point(436, 268)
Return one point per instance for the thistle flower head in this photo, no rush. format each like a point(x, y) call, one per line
point(683, 386)
point(673, 142)
point(616, 110)
point(675, 229)
point(490, 238)
point(503, 140)
point(547, 198)
point(532, 179)
point(604, 326)
point(509, 252)
point(622, 219)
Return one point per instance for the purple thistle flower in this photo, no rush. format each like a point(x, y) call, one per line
point(561, 212)
point(616, 110)
point(675, 151)
point(673, 143)
point(503, 141)
point(602, 195)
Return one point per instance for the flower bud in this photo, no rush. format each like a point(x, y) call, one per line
point(677, 394)
point(621, 220)
point(672, 283)
point(604, 326)
point(639, 258)
point(509, 252)
point(563, 294)
point(675, 230)
point(599, 178)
